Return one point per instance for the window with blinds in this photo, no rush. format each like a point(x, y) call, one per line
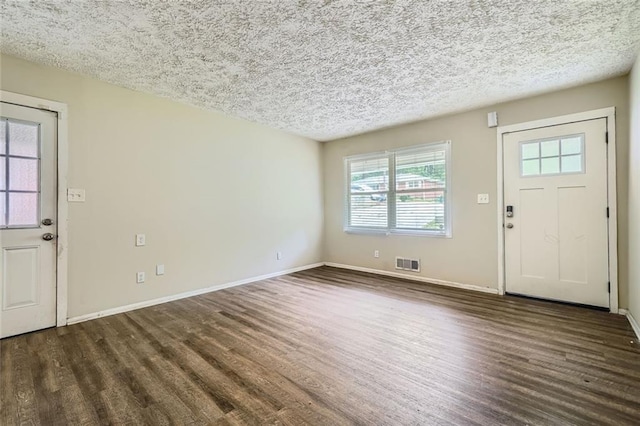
point(401, 191)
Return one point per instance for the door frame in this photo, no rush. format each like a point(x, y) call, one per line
point(62, 243)
point(610, 115)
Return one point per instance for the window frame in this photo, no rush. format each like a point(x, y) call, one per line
point(6, 193)
point(392, 191)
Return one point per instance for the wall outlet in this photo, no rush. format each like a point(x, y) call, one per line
point(278, 255)
point(140, 277)
point(75, 195)
point(159, 269)
point(483, 198)
point(376, 253)
point(141, 240)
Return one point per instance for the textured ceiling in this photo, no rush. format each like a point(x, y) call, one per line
point(328, 69)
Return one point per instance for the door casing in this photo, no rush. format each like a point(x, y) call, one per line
point(62, 207)
point(610, 115)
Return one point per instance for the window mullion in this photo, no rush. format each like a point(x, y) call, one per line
point(391, 197)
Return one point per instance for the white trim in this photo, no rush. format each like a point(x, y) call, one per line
point(555, 121)
point(612, 202)
point(62, 167)
point(415, 278)
point(500, 204)
point(152, 302)
point(634, 324)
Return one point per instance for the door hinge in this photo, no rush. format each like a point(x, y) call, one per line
point(609, 287)
point(606, 137)
point(607, 211)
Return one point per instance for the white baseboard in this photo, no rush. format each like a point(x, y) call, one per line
point(146, 303)
point(632, 321)
point(120, 309)
point(415, 278)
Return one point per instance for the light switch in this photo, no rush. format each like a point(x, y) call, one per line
point(140, 276)
point(75, 195)
point(483, 198)
point(159, 269)
point(141, 240)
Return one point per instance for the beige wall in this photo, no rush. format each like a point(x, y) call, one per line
point(218, 196)
point(634, 193)
point(470, 257)
point(215, 196)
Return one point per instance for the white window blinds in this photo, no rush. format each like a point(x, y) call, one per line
point(404, 191)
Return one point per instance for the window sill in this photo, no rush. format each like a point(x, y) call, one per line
point(402, 232)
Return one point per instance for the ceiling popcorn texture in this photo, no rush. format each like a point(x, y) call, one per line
point(329, 69)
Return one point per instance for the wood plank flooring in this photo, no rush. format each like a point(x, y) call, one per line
point(328, 346)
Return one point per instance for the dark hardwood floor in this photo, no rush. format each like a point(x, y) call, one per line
point(328, 346)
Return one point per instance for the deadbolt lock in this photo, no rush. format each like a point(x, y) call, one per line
point(47, 222)
point(509, 211)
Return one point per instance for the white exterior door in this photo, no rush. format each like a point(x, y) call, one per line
point(555, 197)
point(27, 219)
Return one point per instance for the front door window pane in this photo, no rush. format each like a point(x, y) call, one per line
point(530, 150)
point(23, 208)
point(23, 174)
point(550, 148)
point(530, 167)
point(23, 139)
point(572, 163)
point(550, 165)
point(571, 146)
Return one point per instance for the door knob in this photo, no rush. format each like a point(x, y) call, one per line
point(47, 222)
point(509, 225)
point(48, 236)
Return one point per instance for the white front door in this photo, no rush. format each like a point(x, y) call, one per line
point(27, 219)
point(555, 197)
